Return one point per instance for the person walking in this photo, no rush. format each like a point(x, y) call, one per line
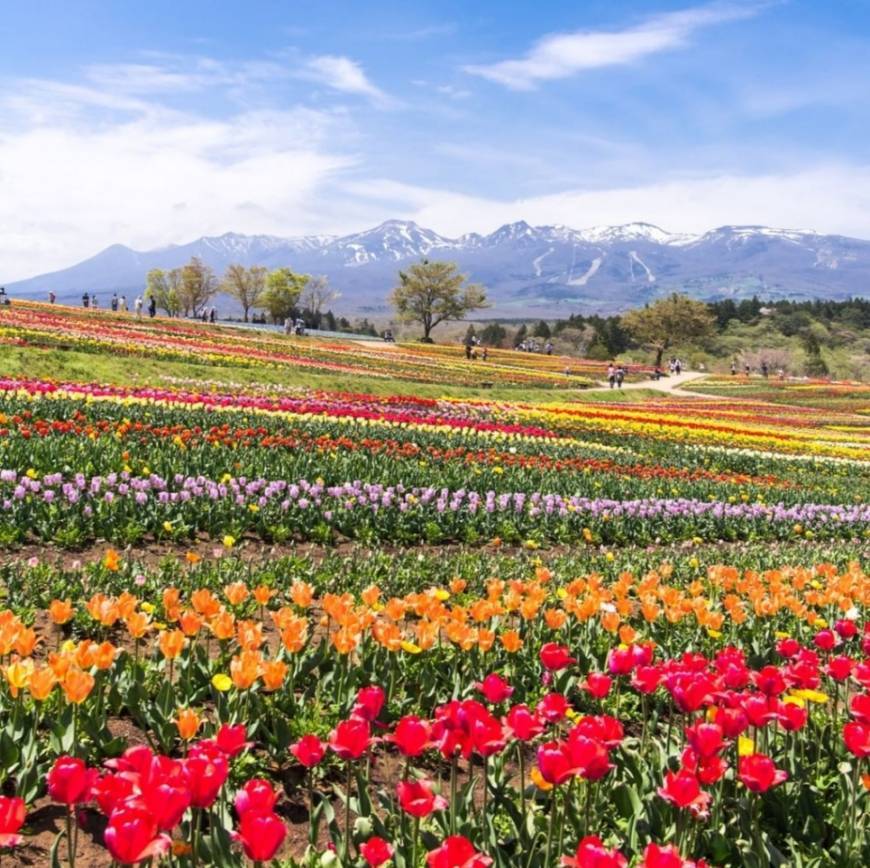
point(678, 367)
point(764, 370)
point(212, 314)
point(94, 303)
point(51, 297)
point(485, 355)
point(733, 368)
point(86, 300)
point(122, 304)
point(114, 303)
point(137, 306)
point(611, 375)
point(548, 348)
point(152, 307)
point(620, 376)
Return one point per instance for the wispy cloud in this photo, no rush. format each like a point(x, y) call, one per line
point(562, 55)
point(344, 75)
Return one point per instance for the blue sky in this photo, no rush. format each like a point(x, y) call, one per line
point(150, 124)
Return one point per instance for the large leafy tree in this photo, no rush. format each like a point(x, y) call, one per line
point(197, 286)
point(434, 292)
point(317, 295)
point(668, 322)
point(245, 285)
point(162, 286)
point(283, 288)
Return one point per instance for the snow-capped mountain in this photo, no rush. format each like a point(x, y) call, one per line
point(528, 270)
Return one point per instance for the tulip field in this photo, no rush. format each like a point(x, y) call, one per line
point(274, 625)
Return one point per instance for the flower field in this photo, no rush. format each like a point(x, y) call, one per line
point(306, 628)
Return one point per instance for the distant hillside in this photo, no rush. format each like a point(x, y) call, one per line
point(529, 270)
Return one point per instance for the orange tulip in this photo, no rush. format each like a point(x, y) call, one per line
point(171, 604)
point(274, 673)
point(302, 594)
point(555, 618)
point(249, 635)
point(138, 624)
point(371, 595)
point(104, 655)
point(192, 558)
point(245, 669)
point(262, 594)
point(223, 625)
point(42, 682)
point(171, 643)
point(60, 611)
point(190, 623)
point(112, 560)
point(236, 593)
point(188, 723)
point(26, 641)
point(77, 686)
point(127, 604)
point(204, 602)
point(59, 664)
point(511, 641)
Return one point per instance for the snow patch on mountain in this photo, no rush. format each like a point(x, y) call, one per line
point(587, 275)
point(634, 258)
point(536, 262)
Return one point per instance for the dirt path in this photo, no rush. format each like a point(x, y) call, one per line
point(668, 385)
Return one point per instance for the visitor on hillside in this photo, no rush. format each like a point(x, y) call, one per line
point(137, 306)
point(288, 326)
point(485, 354)
point(51, 297)
point(611, 374)
point(4, 299)
point(212, 314)
point(114, 303)
point(678, 367)
point(122, 304)
point(94, 302)
point(152, 307)
point(747, 370)
point(548, 348)
point(733, 368)
point(780, 373)
point(620, 376)
point(658, 373)
point(468, 351)
point(764, 370)
point(86, 300)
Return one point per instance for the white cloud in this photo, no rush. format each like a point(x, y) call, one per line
point(562, 55)
point(345, 75)
point(830, 199)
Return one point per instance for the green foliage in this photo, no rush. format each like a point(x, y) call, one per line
point(668, 321)
point(434, 292)
point(281, 294)
point(245, 285)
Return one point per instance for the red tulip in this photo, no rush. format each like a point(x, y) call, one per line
point(552, 707)
point(167, 800)
point(309, 750)
point(683, 790)
point(555, 763)
point(690, 692)
point(110, 791)
point(457, 852)
point(708, 770)
point(555, 657)
point(758, 773)
point(826, 640)
point(734, 721)
point(759, 710)
point(840, 668)
point(591, 853)
point(846, 629)
point(588, 756)
point(705, 738)
point(602, 727)
point(70, 781)
point(12, 814)
point(597, 684)
point(787, 647)
point(522, 724)
point(666, 857)
point(792, 717)
point(859, 707)
point(495, 689)
point(261, 835)
point(351, 738)
point(620, 661)
point(132, 836)
point(376, 851)
point(411, 735)
point(417, 798)
point(256, 795)
point(769, 681)
point(488, 736)
point(857, 738)
point(369, 702)
point(646, 679)
point(205, 777)
point(232, 740)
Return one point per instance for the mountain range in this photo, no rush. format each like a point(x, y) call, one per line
point(528, 270)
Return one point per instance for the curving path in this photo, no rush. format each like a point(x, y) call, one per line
point(669, 385)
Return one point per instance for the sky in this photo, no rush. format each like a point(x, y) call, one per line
point(155, 123)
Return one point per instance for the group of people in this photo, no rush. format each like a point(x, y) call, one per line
point(616, 375)
point(764, 370)
point(294, 326)
point(675, 366)
point(475, 349)
point(4, 299)
point(530, 345)
point(118, 304)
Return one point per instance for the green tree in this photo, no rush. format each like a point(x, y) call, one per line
point(283, 288)
point(245, 285)
point(434, 292)
point(317, 295)
point(196, 286)
point(668, 321)
point(542, 330)
point(162, 286)
point(493, 334)
point(521, 334)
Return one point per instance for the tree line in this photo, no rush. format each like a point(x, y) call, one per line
point(280, 293)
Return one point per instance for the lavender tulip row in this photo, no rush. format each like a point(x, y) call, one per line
point(239, 503)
